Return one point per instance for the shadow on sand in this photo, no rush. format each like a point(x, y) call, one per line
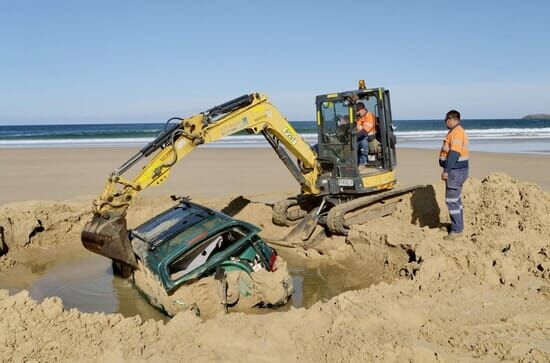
point(425, 208)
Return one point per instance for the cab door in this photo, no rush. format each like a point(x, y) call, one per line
point(337, 149)
point(388, 137)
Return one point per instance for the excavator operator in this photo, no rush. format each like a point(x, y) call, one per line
point(366, 132)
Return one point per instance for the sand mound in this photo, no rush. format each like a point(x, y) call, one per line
point(501, 206)
point(482, 297)
point(23, 223)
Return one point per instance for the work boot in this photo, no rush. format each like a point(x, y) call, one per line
point(362, 168)
point(452, 236)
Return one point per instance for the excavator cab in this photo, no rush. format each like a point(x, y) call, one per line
point(338, 151)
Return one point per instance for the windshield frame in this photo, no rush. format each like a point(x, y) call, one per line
point(335, 119)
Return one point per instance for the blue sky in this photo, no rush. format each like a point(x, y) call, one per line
point(133, 61)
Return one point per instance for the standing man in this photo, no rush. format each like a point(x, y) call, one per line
point(453, 158)
point(366, 129)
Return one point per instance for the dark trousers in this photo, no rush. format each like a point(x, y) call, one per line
point(453, 191)
point(363, 149)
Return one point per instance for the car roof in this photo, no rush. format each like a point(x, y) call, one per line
point(173, 221)
point(189, 222)
point(177, 230)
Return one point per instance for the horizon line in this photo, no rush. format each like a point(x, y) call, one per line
point(162, 122)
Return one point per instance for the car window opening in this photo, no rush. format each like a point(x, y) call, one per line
point(199, 255)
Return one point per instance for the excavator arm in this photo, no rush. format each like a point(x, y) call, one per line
point(107, 233)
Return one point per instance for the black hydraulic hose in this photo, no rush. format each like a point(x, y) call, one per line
point(173, 144)
point(173, 136)
point(129, 163)
point(171, 119)
point(169, 130)
point(232, 105)
point(160, 140)
point(152, 146)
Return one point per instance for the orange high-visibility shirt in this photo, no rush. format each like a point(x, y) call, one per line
point(367, 123)
point(456, 140)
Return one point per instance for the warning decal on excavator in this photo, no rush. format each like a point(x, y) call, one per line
point(290, 136)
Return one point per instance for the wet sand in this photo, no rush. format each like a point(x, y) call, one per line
point(56, 174)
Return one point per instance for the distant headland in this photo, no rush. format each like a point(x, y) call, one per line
point(537, 116)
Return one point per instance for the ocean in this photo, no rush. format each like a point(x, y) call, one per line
point(498, 135)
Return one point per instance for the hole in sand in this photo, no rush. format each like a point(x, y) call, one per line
point(39, 228)
point(411, 254)
point(3, 245)
point(85, 281)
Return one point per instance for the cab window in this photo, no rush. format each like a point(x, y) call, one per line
point(335, 130)
point(371, 104)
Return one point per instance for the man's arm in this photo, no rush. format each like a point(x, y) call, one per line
point(452, 158)
point(455, 149)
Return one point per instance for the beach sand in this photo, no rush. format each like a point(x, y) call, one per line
point(56, 174)
point(482, 297)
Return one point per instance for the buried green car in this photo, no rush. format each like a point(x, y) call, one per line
point(192, 257)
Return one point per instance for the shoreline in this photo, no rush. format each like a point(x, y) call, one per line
point(511, 145)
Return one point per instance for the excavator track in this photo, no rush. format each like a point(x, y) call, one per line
point(287, 213)
point(378, 205)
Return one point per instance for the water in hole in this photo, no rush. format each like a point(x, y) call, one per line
point(85, 281)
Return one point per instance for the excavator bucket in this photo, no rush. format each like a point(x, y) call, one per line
point(305, 228)
point(109, 237)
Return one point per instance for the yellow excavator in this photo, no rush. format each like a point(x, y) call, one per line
point(335, 192)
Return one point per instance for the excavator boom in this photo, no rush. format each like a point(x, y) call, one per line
point(107, 233)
